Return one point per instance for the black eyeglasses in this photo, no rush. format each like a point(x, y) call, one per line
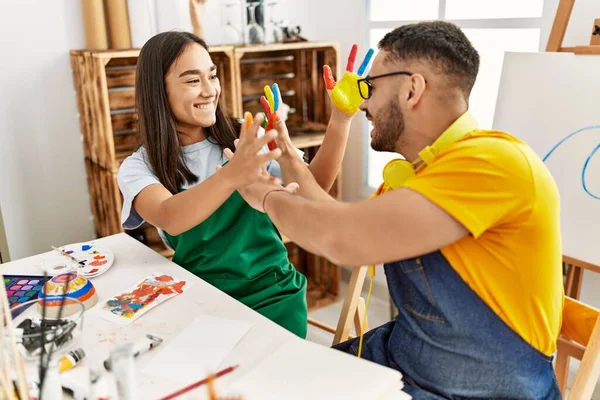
point(364, 85)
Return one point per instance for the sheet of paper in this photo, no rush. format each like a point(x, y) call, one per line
point(198, 350)
point(303, 370)
point(134, 302)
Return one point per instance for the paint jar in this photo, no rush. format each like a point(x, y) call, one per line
point(59, 334)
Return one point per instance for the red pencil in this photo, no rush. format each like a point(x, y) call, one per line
point(200, 383)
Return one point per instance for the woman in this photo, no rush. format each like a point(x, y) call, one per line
point(172, 181)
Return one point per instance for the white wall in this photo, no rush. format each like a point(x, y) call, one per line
point(43, 190)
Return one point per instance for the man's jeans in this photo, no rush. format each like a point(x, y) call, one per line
point(448, 343)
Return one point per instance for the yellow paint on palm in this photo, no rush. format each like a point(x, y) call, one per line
point(345, 94)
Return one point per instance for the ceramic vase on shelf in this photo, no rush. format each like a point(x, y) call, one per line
point(273, 31)
point(254, 32)
point(231, 32)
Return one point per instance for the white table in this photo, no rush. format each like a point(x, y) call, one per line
point(134, 261)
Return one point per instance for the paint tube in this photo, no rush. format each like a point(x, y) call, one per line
point(78, 390)
point(123, 368)
point(142, 346)
point(70, 359)
point(145, 344)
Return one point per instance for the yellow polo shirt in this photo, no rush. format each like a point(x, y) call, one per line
point(503, 194)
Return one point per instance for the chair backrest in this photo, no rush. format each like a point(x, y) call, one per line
point(352, 309)
point(580, 338)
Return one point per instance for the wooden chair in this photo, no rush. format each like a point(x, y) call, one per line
point(352, 310)
point(575, 269)
point(580, 329)
point(580, 338)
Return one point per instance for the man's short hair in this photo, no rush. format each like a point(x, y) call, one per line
point(442, 44)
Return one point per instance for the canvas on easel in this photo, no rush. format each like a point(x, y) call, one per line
point(555, 44)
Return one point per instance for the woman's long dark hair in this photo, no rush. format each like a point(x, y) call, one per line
point(156, 122)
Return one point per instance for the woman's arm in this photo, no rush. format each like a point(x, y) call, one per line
point(197, 16)
point(293, 168)
point(178, 213)
point(326, 164)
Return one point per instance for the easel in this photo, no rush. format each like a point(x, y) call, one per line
point(574, 266)
point(588, 372)
point(559, 28)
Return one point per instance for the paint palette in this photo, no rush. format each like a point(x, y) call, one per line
point(20, 289)
point(93, 260)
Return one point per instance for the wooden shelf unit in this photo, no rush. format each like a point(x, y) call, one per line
point(105, 85)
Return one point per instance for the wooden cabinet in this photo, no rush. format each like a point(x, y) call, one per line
point(105, 86)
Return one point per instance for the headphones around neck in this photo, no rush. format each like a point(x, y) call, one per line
point(398, 171)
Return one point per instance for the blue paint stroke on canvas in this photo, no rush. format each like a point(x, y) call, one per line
point(587, 161)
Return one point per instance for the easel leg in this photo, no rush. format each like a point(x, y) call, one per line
point(559, 27)
point(574, 281)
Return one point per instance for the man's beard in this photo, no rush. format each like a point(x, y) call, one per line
point(389, 128)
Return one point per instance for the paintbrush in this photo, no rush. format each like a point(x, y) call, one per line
point(64, 253)
point(42, 367)
point(7, 323)
point(212, 393)
point(200, 383)
point(60, 312)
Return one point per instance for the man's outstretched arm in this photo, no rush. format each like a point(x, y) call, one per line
point(397, 225)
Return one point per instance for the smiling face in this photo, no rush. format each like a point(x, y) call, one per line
point(193, 88)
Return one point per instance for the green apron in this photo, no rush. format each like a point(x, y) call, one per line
point(239, 251)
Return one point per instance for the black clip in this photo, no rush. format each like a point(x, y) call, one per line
point(596, 30)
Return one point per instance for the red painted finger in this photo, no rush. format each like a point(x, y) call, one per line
point(352, 58)
point(265, 104)
point(328, 76)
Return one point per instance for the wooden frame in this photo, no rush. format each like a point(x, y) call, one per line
point(352, 312)
point(575, 275)
point(559, 28)
point(572, 343)
point(589, 369)
point(296, 67)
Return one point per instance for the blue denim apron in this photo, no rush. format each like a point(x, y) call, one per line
point(448, 343)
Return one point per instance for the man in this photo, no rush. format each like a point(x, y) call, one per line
point(471, 242)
